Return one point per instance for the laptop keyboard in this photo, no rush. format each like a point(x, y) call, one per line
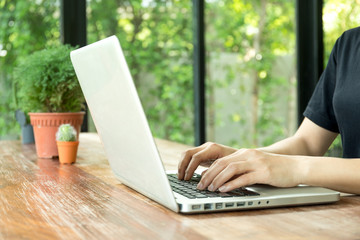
point(189, 190)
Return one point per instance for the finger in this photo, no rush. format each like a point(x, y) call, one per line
point(209, 153)
point(185, 159)
point(231, 170)
point(241, 181)
point(187, 156)
point(217, 167)
point(218, 150)
point(212, 172)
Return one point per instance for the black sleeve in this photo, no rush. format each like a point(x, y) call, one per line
point(320, 107)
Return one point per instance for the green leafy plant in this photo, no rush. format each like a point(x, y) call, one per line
point(45, 81)
point(66, 133)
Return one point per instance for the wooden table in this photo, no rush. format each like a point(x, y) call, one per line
point(41, 199)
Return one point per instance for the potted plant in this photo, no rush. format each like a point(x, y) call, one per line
point(48, 90)
point(66, 140)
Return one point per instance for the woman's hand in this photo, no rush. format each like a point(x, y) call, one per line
point(237, 168)
point(203, 155)
point(250, 166)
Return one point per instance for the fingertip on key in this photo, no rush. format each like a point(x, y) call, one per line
point(223, 189)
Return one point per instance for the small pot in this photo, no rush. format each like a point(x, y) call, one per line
point(67, 151)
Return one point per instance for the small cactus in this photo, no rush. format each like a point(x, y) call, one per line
point(66, 133)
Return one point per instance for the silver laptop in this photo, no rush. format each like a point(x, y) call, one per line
point(132, 153)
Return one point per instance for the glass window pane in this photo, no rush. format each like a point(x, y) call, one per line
point(26, 26)
point(251, 77)
point(156, 37)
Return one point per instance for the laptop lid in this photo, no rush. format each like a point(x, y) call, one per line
point(119, 118)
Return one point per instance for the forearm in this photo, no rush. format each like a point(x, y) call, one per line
point(309, 139)
point(289, 146)
point(335, 173)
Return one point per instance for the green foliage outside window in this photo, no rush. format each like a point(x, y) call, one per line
point(258, 33)
point(157, 40)
point(25, 26)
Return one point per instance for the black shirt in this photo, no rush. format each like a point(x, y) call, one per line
point(335, 103)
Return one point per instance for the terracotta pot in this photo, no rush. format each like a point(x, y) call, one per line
point(67, 151)
point(45, 128)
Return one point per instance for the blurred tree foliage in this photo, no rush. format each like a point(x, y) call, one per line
point(156, 36)
point(25, 26)
point(258, 32)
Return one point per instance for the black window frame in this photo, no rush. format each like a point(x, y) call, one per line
point(309, 48)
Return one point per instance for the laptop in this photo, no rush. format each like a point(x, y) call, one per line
point(121, 123)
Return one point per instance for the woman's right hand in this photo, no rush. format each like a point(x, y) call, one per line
point(203, 155)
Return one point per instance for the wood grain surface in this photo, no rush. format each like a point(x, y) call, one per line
point(41, 199)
